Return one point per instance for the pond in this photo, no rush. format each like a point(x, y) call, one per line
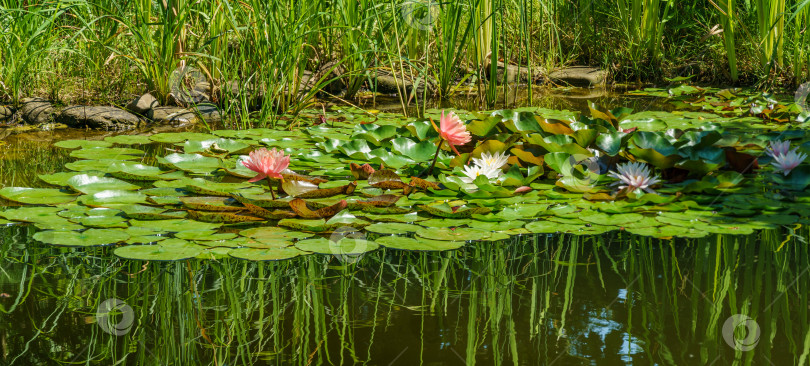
point(544, 277)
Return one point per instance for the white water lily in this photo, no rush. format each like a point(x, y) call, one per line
point(488, 165)
point(784, 163)
point(778, 148)
point(634, 176)
point(492, 162)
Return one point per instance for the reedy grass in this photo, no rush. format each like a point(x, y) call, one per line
point(256, 55)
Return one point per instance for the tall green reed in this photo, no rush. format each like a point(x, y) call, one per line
point(27, 37)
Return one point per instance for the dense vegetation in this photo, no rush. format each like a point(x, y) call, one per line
point(256, 54)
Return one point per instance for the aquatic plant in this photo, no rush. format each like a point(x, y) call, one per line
point(366, 172)
point(268, 164)
point(633, 176)
point(453, 130)
point(488, 165)
point(784, 163)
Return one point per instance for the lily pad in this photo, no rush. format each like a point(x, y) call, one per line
point(108, 153)
point(104, 198)
point(462, 234)
point(84, 144)
point(174, 225)
point(87, 238)
point(157, 252)
point(36, 196)
point(89, 184)
point(192, 163)
point(392, 228)
point(418, 245)
point(272, 254)
point(273, 233)
point(344, 246)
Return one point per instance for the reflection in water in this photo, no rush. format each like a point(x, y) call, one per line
point(561, 300)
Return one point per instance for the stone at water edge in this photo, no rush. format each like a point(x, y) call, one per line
point(175, 116)
point(143, 104)
point(5, 113)
point(209, 112)
point(515, 73)
point(101, 117)
point(579, 76)
point(37, 110)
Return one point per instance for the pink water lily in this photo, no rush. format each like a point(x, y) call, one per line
point(784, 158)
point(453, 130)
point(267, 163)
point(784, 163)
point(778, 148)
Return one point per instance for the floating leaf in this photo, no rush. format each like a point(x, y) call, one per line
point(386, 179)
point(158, 252)
point(300, 207)
point(361, 171)
point(273, 233)
point(454, 212)
point(90, 184)
point(344, 246)
point(392, 228)
point(192, 163)
point(272, 254)
point(87, 238)
point(36, 196)
point(84, 144)
point(104, 198)
point(174, 225)
point(212, 203)
point(463, 234)
point(223, 217)
point(419, 245)
point(108, 153)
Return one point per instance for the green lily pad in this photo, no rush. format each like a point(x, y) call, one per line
point(60, 179)
point(445, 223)
point(84, 144)
point(176, 137)
point(273, 233)
point(89, 184)
point(87, 238)
point(157, 252)
point(36, 196)
point(392, 228)
point(217, 146)
point(101, 165)
point(402, 218)
point(175, 225)
point(462, 234)
point(610, 219)
point(215, 253)
point(344, 246)
point(104, 198)
point(497, 226)
point(134, 171)
point(418, 245)
point(445, 210)
point(108, 153)
point(550, 227)
point(192, 163)
point(272, 254)
point(128, 140)
point(32, 214)
point(204, 235)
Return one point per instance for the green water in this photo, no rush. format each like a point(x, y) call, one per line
point(614, 299)
point(609, 300)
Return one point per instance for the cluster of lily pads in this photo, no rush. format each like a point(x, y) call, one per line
point(363, 180)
